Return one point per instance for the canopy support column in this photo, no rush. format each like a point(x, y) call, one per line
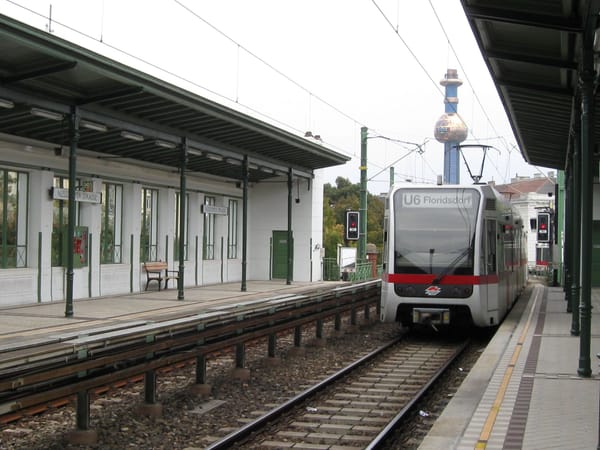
point(74, 141)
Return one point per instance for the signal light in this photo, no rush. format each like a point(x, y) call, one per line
point(543, 229)
point(352, 225)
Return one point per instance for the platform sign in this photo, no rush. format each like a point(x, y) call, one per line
point(212, 209)
point(80, 196)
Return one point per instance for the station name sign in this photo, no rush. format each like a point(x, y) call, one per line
point(211, 209)
point(80, 196)
point(437, 200)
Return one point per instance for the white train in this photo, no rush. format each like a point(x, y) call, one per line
point(453, 255)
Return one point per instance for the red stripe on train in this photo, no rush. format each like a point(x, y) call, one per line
point(448, 279)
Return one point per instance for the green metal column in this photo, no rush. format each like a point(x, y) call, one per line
point(244, 221)
point(271, 346)
point(575, 232)
point(289, 230)
point(182, 216)
point(587, 190)
point(568, 221)
point(201, 369)
point(362, 221)
point(74, 140)
point(150, 387)
point(560, 211)
point(82, 412)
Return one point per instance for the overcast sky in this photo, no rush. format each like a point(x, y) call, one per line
point(325, 66)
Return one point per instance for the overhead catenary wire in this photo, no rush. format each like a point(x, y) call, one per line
point(270, 66)
point(254, 55)
point(235, 100)
point(464, 71)
point(423, 68)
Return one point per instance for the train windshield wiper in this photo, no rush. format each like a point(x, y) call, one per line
point(451, 266)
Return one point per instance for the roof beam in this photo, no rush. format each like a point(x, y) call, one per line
point(117, 93)
point(534, 87)
point(533, 59)
point(48, 69)
point(571, 25)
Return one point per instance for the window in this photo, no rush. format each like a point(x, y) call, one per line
point(149, 235)
point(13, 213)
point(112, 213)
point(177, 226)
point(232, 230)
point(209, 231)
point(490, 246)
point(60, 221)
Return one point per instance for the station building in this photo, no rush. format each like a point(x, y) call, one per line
point(156, 173)
point(530, 196)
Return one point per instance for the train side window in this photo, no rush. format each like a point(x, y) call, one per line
point(490, 246)
point(385, 243)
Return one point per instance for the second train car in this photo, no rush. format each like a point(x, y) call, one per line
point(454, 255)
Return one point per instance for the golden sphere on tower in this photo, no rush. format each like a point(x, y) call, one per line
point(450, 128)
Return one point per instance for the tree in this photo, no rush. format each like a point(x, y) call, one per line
point(336, 201)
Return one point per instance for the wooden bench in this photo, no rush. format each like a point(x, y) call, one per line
point(158, 271)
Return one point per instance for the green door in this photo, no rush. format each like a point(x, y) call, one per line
point(280, 254)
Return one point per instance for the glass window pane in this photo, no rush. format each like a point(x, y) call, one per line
point(13, 213)
point(149, 233)
point(112, 213)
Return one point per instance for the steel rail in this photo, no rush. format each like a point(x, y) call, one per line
point(236, 437)
point(381, 438)
point(257, 424)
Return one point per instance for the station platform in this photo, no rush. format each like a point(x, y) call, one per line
point(36, 321)
point(524, 392)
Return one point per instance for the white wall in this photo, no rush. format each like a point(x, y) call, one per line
point(528, 207)
point(267, 211)
point(264, 218)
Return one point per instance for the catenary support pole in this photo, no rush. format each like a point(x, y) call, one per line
point(362, 220)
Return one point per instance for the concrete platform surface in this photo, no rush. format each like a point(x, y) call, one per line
point(525, 392)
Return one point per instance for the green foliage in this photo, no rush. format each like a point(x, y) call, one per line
point(336, 201)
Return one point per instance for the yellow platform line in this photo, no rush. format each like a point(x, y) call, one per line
point(488, 426)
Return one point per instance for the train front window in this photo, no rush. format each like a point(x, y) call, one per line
point(434, 231)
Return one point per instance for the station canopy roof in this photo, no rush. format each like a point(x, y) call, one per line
point(129, 114)
point(533, 51)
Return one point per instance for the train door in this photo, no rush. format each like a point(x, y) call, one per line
point(489, 285)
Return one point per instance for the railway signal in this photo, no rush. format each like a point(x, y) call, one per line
point(543, 227)
point(352, 225)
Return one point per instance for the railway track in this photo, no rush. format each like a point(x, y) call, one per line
point(42, 371)
point(357, 407)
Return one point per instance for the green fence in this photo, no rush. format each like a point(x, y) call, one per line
point(331, 271)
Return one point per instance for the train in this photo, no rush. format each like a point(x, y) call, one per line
point(454, 256)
